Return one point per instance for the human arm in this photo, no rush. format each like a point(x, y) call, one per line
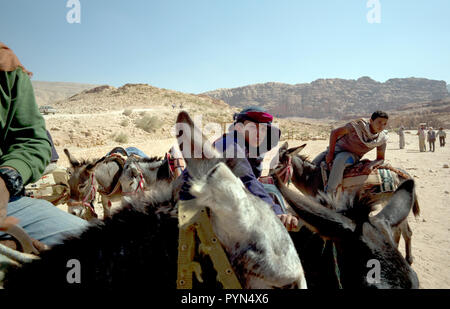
point(381, 151)
point(24, 143)
point(334, 136)
point(4, 199)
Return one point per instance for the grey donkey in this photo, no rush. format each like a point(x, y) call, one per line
point(88, 177)
point(256, 242)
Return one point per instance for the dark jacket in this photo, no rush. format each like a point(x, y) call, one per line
point(24, 144)
point(252, 167)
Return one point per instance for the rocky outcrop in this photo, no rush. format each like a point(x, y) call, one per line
point(335, 98)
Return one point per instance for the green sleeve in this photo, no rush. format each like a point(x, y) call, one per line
point(23, 134)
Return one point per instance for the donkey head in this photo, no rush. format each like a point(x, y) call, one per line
point(143, 173)
point(288, 159)
point(367, 255)
point(240, 220)
point(81, 183)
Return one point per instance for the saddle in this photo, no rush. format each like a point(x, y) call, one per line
point(120, 160)
point(53, 187)
point(381, 179)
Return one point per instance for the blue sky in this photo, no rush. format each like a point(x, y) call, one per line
point(200, 45)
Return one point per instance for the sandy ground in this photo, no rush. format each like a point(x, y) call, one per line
point(431, 231)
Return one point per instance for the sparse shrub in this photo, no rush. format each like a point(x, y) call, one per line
point(124, 123)
point(127, 112)
point(121, 138)
point(149, 123)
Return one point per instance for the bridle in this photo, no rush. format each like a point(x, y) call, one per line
point(286, 172)
point(140, 185)
point(89, 198)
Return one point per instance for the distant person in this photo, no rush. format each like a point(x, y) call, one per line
point(431, 136)
point(442, 135)
point(401, 137)
point(422, 135)
point(349, 143)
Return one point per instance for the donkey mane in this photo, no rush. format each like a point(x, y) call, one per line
point(356, 207)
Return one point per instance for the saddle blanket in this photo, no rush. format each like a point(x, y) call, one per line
point(382, 179)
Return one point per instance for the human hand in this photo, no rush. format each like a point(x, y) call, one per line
point(5, 223)
point(289, 221)
point(329, 158)
point(367, 170)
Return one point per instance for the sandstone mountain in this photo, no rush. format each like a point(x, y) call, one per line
point(48, 93)
point(334, 98)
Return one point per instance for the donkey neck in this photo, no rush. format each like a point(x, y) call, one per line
point(310, 180)
point(107, 175)
point(149, 170)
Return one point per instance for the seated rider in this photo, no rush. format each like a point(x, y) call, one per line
point(348, 144)
point(250, 137)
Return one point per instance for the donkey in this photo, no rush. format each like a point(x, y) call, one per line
point(139, 242)
point(139, 174)
point(362, 252)
point(307, 177)
point(88, 177)
point(254, 238)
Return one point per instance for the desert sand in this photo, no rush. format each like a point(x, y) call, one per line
point(431, 231)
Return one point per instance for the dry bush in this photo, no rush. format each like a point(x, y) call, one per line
point(121, 138)
point(127, 112)
point(149, 123)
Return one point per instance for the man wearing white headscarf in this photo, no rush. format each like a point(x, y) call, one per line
point(348, 144)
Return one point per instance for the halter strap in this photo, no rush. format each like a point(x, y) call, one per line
point(286, 173)
point(89, 198)
point(140, 185)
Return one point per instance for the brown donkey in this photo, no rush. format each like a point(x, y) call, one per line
point(307, 177)
point(88, 177)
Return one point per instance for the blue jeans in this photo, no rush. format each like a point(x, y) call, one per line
point(133, 150)
point(43, 221)
point(340, 162)
point(136, 151)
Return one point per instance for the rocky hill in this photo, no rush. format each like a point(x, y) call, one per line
point(435, 114)
point(48, 93)
point(334, 98)
point(140, 113)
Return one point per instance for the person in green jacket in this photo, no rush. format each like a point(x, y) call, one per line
point(25, 151)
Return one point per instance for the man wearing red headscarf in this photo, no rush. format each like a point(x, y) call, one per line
point(250, 137)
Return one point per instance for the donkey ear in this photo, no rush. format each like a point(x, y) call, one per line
point(191, 141)
point(295, 150)
point(326, 222)
point(283, 149)
point(74, 162)
point(90, 167)
point(399, 205)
